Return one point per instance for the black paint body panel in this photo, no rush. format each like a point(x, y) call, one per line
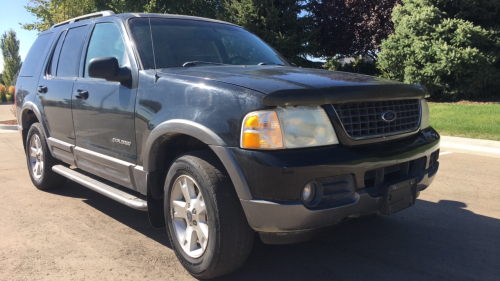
point(215, 105)
point(281, 175)
point(211, 102)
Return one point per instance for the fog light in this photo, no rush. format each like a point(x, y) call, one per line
point(309, 192)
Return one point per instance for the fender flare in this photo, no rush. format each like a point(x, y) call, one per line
point(29, 105)
point(207, 136)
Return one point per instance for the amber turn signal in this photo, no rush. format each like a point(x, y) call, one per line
point(261, 130)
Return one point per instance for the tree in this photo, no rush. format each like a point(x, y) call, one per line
point(215, 9)
point(350, 27)
point(276, 22)
point(358, 65)
point(50, 12)
point(3, 93)
point(11, 58)
point(452, 47)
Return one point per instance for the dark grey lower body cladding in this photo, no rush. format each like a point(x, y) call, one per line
point(102, 188)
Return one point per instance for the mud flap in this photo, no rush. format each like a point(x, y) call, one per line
point(155, 211)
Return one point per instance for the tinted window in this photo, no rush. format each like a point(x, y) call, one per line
point(35, 54)
point(69, 60)
point(179, 41)
point(55, 55)
point(106, 41)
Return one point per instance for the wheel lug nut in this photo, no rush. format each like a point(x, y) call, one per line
point(195, 223)
point(194, 212)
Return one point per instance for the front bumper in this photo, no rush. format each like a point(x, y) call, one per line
point(276, 178)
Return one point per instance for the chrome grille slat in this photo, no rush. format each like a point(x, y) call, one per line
point(362, 120)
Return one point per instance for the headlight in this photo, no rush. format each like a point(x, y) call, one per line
point(296, 127)
point(426, 118)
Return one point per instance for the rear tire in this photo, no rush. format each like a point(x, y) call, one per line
point(40, 161)
point(219, 238)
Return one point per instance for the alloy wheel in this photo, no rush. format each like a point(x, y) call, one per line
point(189, 216)
point(36, 156)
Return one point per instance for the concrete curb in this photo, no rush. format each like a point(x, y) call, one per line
point(487, 146)
point(8, 128)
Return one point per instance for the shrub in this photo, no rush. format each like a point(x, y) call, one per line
point(3, 92)
point(451, 47)
point(12, 90)
point(359, 65)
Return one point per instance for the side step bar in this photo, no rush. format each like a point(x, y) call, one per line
point(104, 189)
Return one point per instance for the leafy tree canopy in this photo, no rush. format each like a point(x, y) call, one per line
point(50, 12)
point(277, 22)
point(11, 58)
point(443, 45)
point(349, 28)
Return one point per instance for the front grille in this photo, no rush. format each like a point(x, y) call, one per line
point(362, 120)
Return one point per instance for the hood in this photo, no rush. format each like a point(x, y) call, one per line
point(286, 86)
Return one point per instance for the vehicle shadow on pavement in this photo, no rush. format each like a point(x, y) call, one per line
point(137, 220)
point(428, 241)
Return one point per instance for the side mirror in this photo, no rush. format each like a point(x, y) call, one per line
point(109, 69)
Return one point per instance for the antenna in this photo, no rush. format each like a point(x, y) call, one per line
point(153, 47)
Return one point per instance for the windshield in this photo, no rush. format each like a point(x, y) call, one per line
point(179, 42)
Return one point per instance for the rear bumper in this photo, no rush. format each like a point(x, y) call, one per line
point(284, 218)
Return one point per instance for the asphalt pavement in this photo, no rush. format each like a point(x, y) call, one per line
point(452, 233)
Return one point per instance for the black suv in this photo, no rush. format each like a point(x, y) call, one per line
point(215, 134)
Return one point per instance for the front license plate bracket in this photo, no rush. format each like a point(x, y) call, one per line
point(398, 196)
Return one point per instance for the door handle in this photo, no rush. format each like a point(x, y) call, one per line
point(82, 95)
point(43, 89)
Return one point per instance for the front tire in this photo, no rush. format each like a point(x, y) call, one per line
point(206, 225)
point(40, 161)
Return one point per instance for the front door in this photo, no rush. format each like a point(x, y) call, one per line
point(103, 112)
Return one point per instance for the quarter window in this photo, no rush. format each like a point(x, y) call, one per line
point(106, 41)
point(35, 55)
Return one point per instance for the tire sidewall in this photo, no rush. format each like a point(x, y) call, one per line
point(197, 265)
point(32, 131)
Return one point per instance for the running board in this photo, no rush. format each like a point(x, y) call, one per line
point(104, 189)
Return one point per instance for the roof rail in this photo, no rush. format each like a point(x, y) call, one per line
point(85, 17)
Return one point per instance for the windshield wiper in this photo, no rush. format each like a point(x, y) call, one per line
point(193, 63)
point(266, 63)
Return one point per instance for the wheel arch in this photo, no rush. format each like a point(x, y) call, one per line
point(200, 137)
point(29, 115)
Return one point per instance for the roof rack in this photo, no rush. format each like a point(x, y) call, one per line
point(85, 17)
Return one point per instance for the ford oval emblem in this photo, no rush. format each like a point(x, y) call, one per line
point(389, 116)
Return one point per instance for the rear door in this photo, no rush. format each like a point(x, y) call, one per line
point(55, 88)
point(104, 117)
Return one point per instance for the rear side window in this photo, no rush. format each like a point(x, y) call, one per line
point(55, 55)
point(35, 55)
point(69, 59)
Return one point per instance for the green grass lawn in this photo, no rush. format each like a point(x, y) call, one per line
point(478, 121)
